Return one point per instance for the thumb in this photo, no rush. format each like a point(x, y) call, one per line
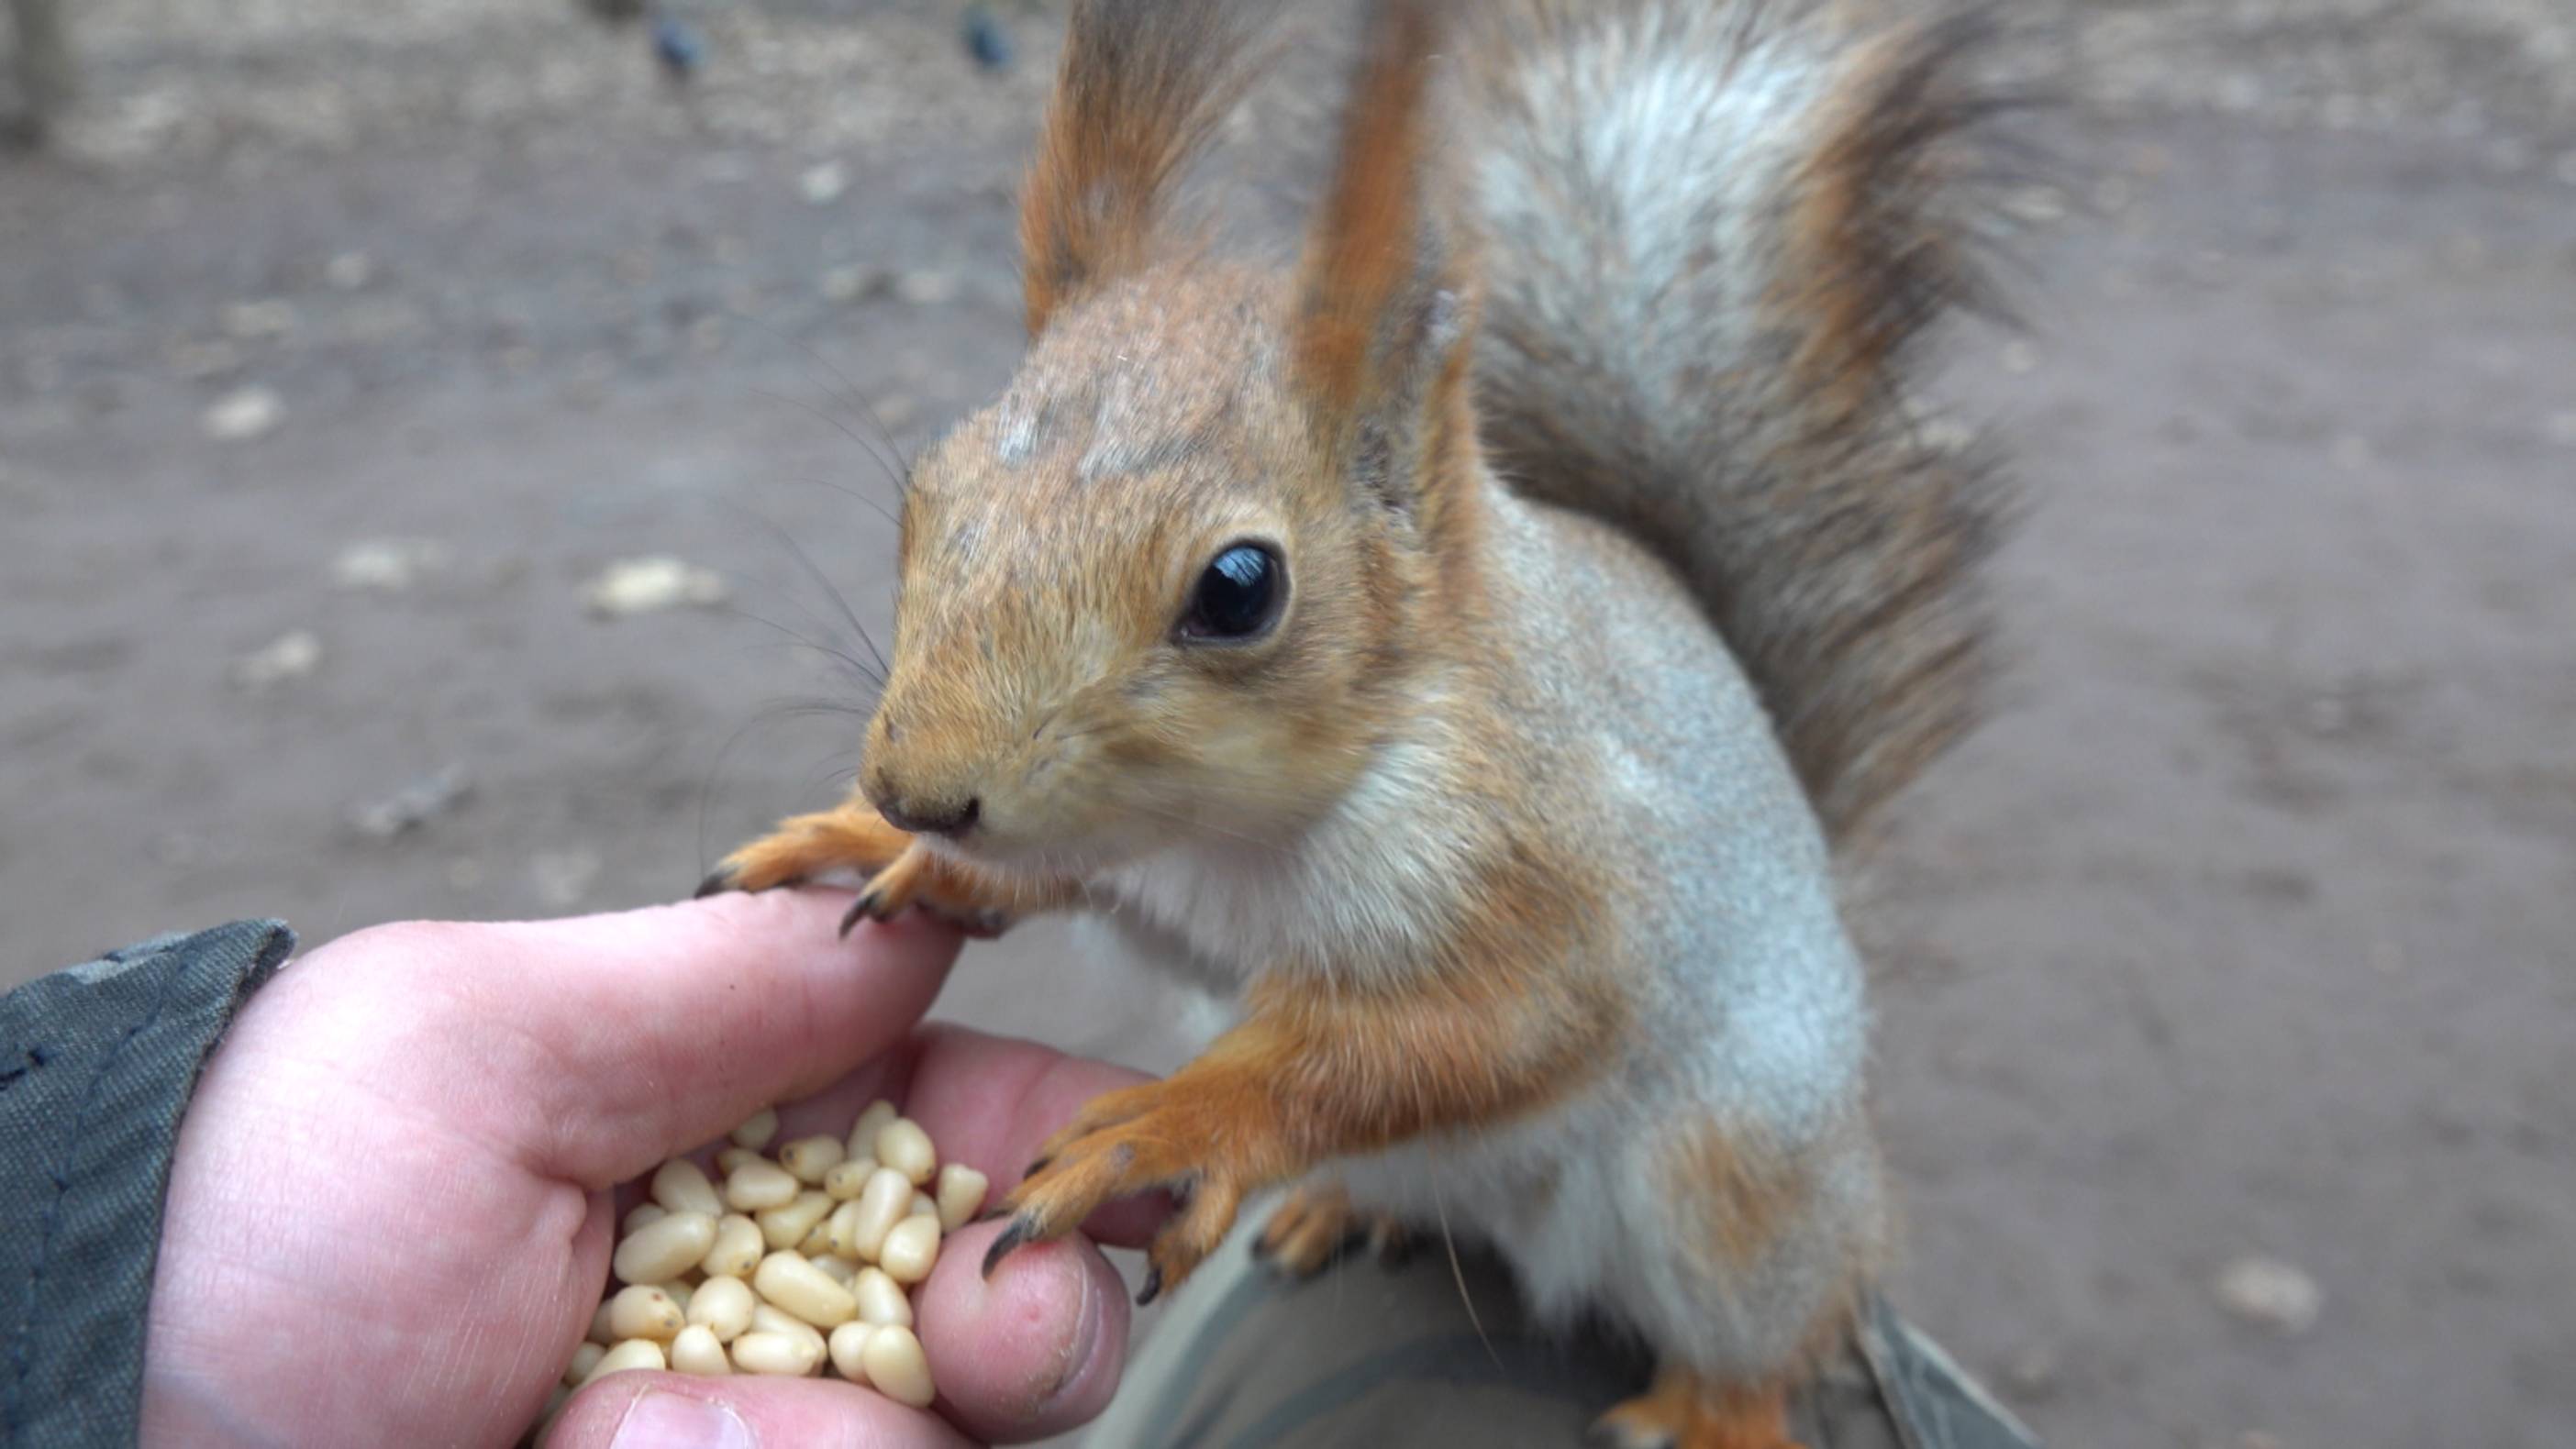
point(672, 1024)
point(603, 1044)
point(668, 1411)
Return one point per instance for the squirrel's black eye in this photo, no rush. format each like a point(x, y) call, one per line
point(1239, 595)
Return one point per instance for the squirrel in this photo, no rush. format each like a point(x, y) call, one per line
point(1477, 647)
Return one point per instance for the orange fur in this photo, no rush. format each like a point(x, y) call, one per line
point(1368, 241)
point(1846, 338)
point(1741, 1194)
point(1683, 1411)
point(901, 871)
point(1317, 1071)
point(1143, 83)
point(1308, 1231)
point(853, 838)
point(1383, 276)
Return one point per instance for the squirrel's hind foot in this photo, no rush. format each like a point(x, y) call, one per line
point(1685, 1411)
point(1316, 1228)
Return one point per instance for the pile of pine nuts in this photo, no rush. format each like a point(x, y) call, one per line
point(798, 1265)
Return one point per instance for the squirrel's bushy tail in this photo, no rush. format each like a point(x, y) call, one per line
point(1712, 231)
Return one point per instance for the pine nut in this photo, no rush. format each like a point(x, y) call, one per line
point(781, 1354)
point(863, 1132)
point(792, 1283)
point(879, 1209)
point(808, 1158)
point(770, 1318)
point(634, 1353)
point(723, 1307)
point(661, 1251)
point(817, 1240)
point(682, 1186)
point(749, 1271)
point(849, 1342)
point(961, 1195)
point(787, 1225)
point(842, 1228)
point(848, 1176)
point(696, 1351)
point(736, 1250)
point(910, 1249)
point(881, 1299)
point(895, 1366)
point(756, 1130)
point(759, 1184)
point(643, 1311)
point(903, 1146)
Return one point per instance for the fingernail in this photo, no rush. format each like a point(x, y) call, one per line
point(659, 1420)
point(1086, 1336)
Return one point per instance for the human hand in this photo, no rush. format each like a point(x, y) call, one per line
point(391, 1210)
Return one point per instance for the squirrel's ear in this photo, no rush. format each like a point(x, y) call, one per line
point(1142, 85)
point(1385, 303)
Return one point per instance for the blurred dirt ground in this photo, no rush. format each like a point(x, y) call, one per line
point(2228, 1024)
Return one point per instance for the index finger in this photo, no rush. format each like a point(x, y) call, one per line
point(987, 1102)
point(990, 1101)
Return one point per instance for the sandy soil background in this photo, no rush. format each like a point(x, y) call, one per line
point(345, 344)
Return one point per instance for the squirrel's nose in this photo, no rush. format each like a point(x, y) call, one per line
point(931, 817)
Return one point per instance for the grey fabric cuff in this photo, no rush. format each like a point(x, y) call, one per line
point(96, 1067)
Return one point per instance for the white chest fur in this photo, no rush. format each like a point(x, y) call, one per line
point(1356, 894)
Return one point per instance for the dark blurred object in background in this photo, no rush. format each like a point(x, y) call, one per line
point(677, 47)
point(986, 39)
point(47, 79)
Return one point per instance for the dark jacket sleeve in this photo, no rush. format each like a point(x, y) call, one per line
point(96, 1066)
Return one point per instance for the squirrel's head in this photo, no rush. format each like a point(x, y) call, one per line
point(1171, 581)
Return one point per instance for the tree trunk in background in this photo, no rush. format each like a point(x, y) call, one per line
point(46, 78)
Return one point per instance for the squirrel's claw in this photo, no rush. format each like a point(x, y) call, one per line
point(1019, 1232)
point(862, 909)
point(1123, 1144)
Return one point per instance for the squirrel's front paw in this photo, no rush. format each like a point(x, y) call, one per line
point(1201, 1144)
point(804, 847)
point(919, 879)
point(901, 872)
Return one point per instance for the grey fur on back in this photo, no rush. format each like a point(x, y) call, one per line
point(1712, 231)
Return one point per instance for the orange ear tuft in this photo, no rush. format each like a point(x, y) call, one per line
point(1382, 294)
point(1142, 85)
